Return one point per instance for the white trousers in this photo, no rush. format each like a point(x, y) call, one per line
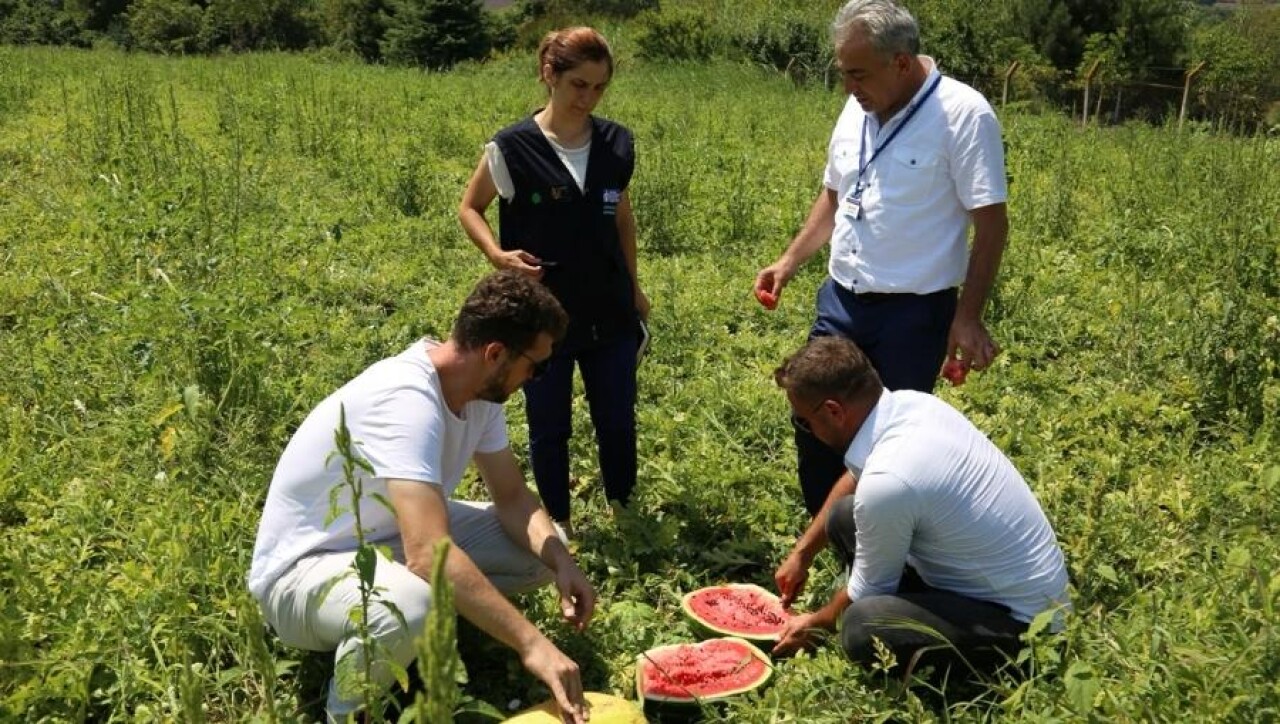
point(304, 616)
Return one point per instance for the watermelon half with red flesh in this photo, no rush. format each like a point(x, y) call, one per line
point(700, 673)
point(737, 609)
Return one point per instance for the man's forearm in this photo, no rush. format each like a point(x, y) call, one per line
point(990, 234)
point(829, 615)
point(528, 525)
point(816, 231)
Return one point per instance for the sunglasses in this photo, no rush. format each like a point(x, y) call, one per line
point(802, 423)
point(538, 368)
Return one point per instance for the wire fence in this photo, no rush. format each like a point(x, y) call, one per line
point(1153, 94)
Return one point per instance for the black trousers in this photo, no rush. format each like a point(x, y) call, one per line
point(922, 626)
point(609, 379)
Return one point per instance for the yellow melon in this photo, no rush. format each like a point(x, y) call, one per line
point(605, 709)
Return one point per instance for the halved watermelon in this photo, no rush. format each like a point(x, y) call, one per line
point(701, 673)
point(736, 609)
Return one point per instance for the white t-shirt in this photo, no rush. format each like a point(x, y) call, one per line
point(934, 492)
point(947, 161)
point(401, 426)
point(574, 159)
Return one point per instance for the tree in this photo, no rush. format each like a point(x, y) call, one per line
point(165, 26)
point(1241, 53)
point(257, 24)
point(434, 34)
point(355, 26)
point(1153, 31)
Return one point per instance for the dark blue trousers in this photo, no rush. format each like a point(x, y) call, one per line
point(904, 336)
point(609, 377)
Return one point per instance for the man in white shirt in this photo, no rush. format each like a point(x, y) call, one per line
point(416, 421)
point(916, 158)
point(950, 556)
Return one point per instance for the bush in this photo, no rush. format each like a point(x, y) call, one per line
point(677, 35)
point(795, 45)
point(166, 26)
point(34, 22)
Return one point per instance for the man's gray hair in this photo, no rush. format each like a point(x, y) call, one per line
point(888, 26)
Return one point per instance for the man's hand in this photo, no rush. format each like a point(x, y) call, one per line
point(798, 634)
point(577, 597)
point(774, 277)
point(790, 578)
point(561, 676)
point(970, 343)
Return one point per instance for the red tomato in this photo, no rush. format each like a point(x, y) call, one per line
point(767, 299)
point(954, 372)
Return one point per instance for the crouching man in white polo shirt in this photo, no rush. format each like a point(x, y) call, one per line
point(950, 556)
point(418, 419)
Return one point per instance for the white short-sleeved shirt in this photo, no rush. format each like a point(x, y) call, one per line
point(946, 161)
point(401, 426)
point(935, 493)
point(574, 159)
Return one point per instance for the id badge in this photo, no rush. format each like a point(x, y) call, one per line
point(852, 204)
point(852, 208)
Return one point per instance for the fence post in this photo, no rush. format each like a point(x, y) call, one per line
point(1008, 75)
point(1088, 80)
point(1186, 92)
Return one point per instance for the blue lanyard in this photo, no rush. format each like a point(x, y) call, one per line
point(862, 145)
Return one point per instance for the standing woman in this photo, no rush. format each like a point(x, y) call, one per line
point(564, 217)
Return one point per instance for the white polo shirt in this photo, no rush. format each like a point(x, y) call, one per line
point(401, 426)
point(947, 161)
point(934, 492)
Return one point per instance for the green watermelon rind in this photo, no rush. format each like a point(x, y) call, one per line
point(707, 630)
point(698, 701)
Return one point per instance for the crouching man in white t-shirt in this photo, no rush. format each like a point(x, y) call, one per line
point(418, 419)
point(950, 556)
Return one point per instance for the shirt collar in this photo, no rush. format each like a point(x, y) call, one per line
point(915, 99)
point(855, 457)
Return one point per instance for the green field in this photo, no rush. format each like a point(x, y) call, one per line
point(195, 252)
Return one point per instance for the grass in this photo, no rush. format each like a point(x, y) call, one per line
point(196, 251)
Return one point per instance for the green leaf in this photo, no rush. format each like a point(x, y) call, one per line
point(397, 671)
point(366, 563)
point(328, 586)
point(1239, 557)
point(1041, 622)
point(385, 503)
point(1082, 686)
point(191, 400)
point(1271, 478)
point(1106, 573)
point(158, 419)
point(1014, 700)
point(479, 707)
point(395, 611)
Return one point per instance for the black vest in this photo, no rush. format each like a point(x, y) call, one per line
point(550, 218)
